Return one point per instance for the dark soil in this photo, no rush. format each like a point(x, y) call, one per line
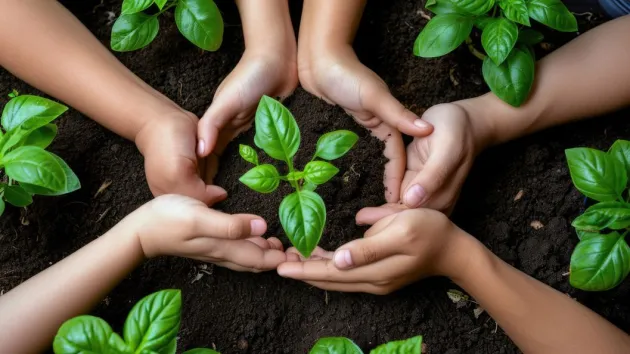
point(248, 313)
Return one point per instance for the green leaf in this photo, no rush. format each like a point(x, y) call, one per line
point(248, 154)
point(72, 182)
point(295, 175)
point(606, 215)
point(529, 36)
point(483, 21)
point(201, 351)
point(474, 7)
point(132, 32)
point(515, 10)
point(200, 22)
point(87, 335)
point(154, 321)
point(407, 346)
point(308, 186)
point(596, 174)
point(263, 179)
point(160, 3)
point(552, 13)
point(171, 348)
point(2, 206)
point(30, 112)
point(130, 7)
point(442, 7)
point(16, 195)
point(319, 172)
point(584, 235)
point(42, 136)
point(600, 263)
point(303, 216)
point(34, 165)
point(513, 79)
point(335, 345)
point(334, 145)
point(498, 39)
point(277, 132)
point(621, 151)
point(442, 35)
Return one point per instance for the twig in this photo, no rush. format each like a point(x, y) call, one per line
point(473, 50)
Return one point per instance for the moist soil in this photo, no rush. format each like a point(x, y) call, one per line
point(263, 313)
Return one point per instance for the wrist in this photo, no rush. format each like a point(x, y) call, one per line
point(126, 242)
point(154, 125)
point(466, 256)
point(481, 112)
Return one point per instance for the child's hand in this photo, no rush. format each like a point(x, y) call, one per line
point(174, 225)
point(400, 249)
point(337, 76)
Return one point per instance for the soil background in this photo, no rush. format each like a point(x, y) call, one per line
point(249, 313)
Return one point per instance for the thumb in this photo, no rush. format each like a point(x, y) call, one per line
point(388, 109)
point(430, 179)
point(364, 251)
point(215, 118)
point(215, 224)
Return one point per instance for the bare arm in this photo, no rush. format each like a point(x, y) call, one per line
point(330, 23)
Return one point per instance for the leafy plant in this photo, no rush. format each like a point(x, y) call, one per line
point(341, 345)
point(601, 260)
point(508, 67)
point(28, 168)
point(302, 213)
point(199, 21)
point(151, 327)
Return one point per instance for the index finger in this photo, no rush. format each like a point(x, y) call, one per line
point(325, 270)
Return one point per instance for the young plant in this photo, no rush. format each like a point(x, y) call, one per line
point(302, 213)
point(601, 260)
point(28, 168)
point(151, 327)
point(341, 345)
point(508, 67)
point(198, 20)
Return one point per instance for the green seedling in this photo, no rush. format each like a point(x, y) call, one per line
point(302, 213)
point(601, 260)
point(341, 345)
point(13, 94)
point(151, 327)
point(200, 21)
point(509, 62)
point(28, 168)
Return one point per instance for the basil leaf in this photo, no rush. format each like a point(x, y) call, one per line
point(132, 32)
point(335, 345)
point(2, 206)
point(201, 351)
point(606, 215)
point(200, 22)
point(160, 3)
point(72, 182)
point(30, 112)
point(552, 13)
point(621, 151)
point(36, 166)
point(596, 174)
point(334, 145)
point(88, 334)
point(171, 348)
point(42, 136)
point(295, 175)
point(515, 10)
point(248, 154)
point(319, 172)
point(474, 7)
point(513, 79)
point(442, 35)
point(482, 22)
point(442, 7)
point(529, 36)
point(277, 132)
point(154, 321)
point(308, 186)
point(498, 39)
point(303, 216)
point(16, 195)
point(130, 7)
point(407, 346)
point(263, 179)
point(600, 263)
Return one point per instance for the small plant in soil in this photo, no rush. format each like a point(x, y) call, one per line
point(27, 168)
point(509, 62)
point(302, 213)
point(341, 345)
point(601, 260)
point(151, 327)
point(198, 20)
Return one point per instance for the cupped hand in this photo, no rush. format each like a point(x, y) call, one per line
point(338, 77)
point(398, 250)
point(168, 145)
point(176, 225)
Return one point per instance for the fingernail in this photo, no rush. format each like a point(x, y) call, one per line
point(201, 147)
point(415, 196)
point(420, 123)
point(258, 227)
point(343, 259)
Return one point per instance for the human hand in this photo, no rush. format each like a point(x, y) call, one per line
point(399, 249)
point(176, 225)
point(337, 76)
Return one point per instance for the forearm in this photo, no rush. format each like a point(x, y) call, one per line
point(536, 317)
point(33, 312)
point(45, 45)
point(330, 22)
point(587, 77)
point(267, 26)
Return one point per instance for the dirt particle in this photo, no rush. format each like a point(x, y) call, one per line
point(537, 225)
